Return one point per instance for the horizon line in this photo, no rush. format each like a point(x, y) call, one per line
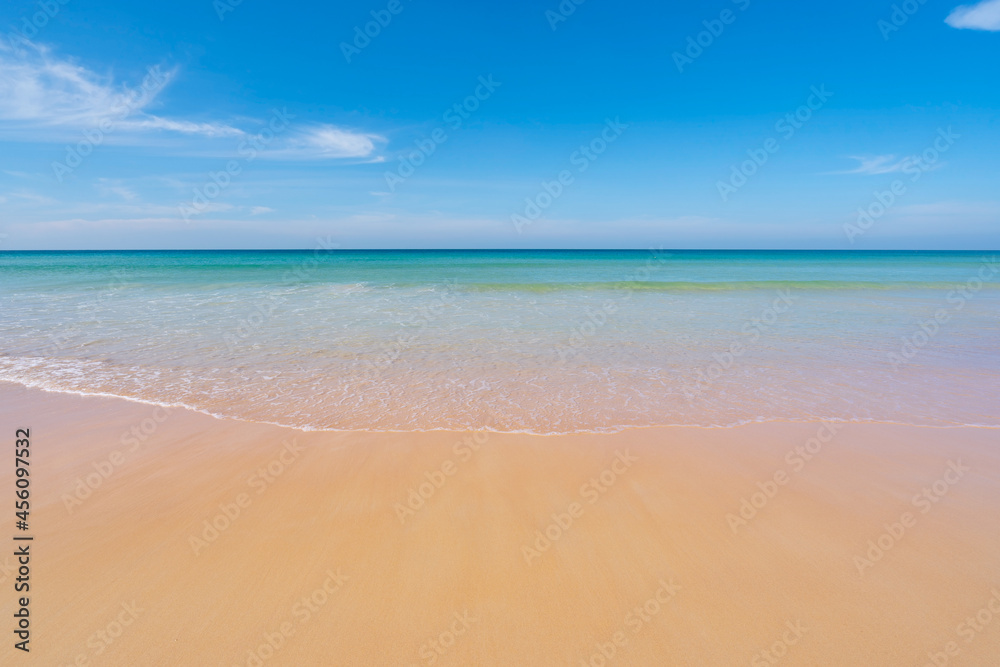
point(647, 249)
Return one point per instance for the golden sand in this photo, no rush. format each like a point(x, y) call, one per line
point(174, 538)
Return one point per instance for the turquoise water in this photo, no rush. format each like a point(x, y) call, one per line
point(539, 341)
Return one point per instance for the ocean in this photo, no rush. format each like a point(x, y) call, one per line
point(531, 341)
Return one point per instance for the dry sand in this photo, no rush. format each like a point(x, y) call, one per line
point(322, 562)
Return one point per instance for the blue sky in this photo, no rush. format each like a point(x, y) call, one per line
point(724, 124)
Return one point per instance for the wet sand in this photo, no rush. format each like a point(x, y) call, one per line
point(175, 538)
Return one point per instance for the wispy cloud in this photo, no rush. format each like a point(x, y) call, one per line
point(113, 187)
point(36, 87)
point(28, 196)
point(41, 90)
point(875, 164)
point(981, 16)
point(183, 126)
point(319, 142)
point(955, 210)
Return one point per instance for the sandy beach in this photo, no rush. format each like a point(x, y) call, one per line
point(167, 537)
point(502, 335)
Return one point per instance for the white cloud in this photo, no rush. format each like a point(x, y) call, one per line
point(333, 142)
point(259, 210)
point(183, 126)
point(320, 142)
point(982, 16)
point(954, 210)
point(114, 187)
point(29, 196)
point(875, 164)
point(888, 164)
point(41, 90)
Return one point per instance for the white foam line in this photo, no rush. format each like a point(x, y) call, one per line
point(596, 431)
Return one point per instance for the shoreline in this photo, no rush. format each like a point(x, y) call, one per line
point(610, 431)
point(200, 540)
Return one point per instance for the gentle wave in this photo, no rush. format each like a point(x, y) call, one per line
point(249, 399)
point(485, 427)
point(521, 342)
point(722, 286)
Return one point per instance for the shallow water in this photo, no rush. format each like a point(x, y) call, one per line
point(539, 341)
